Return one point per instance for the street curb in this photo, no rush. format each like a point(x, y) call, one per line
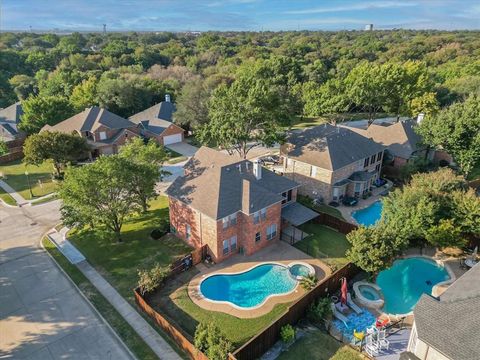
point(83, 295)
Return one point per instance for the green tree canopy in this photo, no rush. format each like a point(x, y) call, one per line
point(84, 95)
point(59, 147)
point(192, 105)
point(456, 130)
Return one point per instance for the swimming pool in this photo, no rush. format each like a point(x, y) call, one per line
point(250, 288)
point(404, 283)
point(369, 215)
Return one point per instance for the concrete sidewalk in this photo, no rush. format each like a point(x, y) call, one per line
point(11, 191)
point(136, 321)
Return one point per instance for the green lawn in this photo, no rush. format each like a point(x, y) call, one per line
point(121, 327)
point(7, 198)
point(308, 202)
point(317, 345)
point(119, 262)
point(173, 300)
point(40, 178)
point(324, 243)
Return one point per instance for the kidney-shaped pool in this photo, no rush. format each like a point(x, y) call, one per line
point(250, 288)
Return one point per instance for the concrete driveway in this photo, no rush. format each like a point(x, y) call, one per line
point(183, 148)
point(42, 316)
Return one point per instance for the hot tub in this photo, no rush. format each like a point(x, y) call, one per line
point(301, 269)
point(368, 294)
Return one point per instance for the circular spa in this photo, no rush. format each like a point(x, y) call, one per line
point(252, 288)
point(368, 294)
point(409, 278)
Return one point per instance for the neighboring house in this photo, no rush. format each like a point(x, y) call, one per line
point(9, 119)
point(331, 162)
point(156, 122)
point(231, 205)
point(400, 139)
point(447, 327)
point(104, 131)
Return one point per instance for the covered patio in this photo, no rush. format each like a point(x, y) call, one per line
point(294, 215)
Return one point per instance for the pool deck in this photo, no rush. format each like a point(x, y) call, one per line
point(279, 252)
point(398, 344)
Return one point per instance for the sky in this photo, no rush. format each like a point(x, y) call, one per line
point(256, 15)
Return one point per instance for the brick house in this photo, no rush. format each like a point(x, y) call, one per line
point(331, 162)
point(105, 132)
point(10, 117)
point(156, 122)
point(230, 204)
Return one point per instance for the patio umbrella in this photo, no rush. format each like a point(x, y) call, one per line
point(343, 298)
point(475, 252)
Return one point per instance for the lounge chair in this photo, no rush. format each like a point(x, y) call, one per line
point(371, 347)
point(383, 343)
point(338, 314)
point(352, 305)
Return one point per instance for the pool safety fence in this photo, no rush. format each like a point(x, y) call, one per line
point(263, 341)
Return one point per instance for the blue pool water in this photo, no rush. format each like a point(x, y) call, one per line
point(404, 283)
point(358, 322)
point(370, 215)
point(250, 288)
point(299, 270)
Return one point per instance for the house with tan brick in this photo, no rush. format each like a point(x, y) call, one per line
point(331, 162)
point(104, 131)
point(156, 123)
point(231, 205)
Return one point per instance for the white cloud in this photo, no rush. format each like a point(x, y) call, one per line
point(353, 7)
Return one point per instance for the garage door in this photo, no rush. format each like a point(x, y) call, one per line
point(172, 139)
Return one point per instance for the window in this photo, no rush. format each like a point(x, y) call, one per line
point(263, 213)
point(284, 195)
point(289, 195)
point(365, 164)
point(225, 247)
point(188, 232)
point(258, 237)
point(271, 231)
point(372, 160)
point(233, 243)
point(313, 171)
point(379, 156)
point(103, 135)
point(229, 220)
point(377, 168)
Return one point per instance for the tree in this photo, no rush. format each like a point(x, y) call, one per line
point(39, 111)
point(248, 113)
point(145, 164)
point(59, 147)
point(445, 234)
point(72, 43)
point(210, 340)
point(373, 249)
point(192, 109)
point(426, 104)
point(84, 95)
point(3, 148)
point(99, 193)
point(23, 86)
point(457, 130)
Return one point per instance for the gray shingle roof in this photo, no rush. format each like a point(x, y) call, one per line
point(157, 118)
point(450, 324)
point(297, 214)
point(329, 147)
point(90, 120)
point(400, 138)
point(214, 185)
point(11, 114)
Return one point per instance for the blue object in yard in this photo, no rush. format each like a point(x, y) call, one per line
point(357, 322)
point(251, 288)
point(380, 182)
point(370, 215)
point(404, 283)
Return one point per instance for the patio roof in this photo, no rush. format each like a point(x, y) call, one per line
point(297, 214)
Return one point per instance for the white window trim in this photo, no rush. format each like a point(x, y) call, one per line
point(102, 135)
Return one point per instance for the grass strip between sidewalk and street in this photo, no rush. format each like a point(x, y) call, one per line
point(131, 339)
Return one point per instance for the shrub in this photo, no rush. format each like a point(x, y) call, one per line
point(308, 282)
point(149, 280)
point(157, 234)
point(287, 333)
point(320, 310)
point(210, 340)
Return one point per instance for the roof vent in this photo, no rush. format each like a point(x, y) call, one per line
point(247, 165)
point(257, 169)
point(239, 166)
point(167, 97)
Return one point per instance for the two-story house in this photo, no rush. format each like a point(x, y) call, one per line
point(331, 162)
point(230, 204)
point(156, 123)
point(104, 131)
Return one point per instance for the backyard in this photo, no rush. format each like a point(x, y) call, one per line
point(330, 210)
point(40, 178)
point(119, 262)
point(302, 122)
point(173, 300)
point(324, 243)
point(317, 345)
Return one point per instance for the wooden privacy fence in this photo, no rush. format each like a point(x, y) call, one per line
point(334, 222)
point(15, 151)
point(263, 341)
point(182, 339)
